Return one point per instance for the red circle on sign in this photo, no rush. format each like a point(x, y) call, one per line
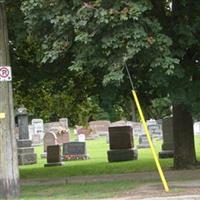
point(4, 72)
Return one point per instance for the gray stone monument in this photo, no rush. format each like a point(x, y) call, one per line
point(26, 153)
point(74, 151)
point(168, 140)
point(143, 142)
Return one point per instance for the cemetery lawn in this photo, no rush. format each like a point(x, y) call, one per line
point(76, 191)
point(97, 164)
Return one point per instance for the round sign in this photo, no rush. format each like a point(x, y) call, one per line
point(4, 72)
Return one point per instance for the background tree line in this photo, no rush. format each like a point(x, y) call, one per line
point(69, 56)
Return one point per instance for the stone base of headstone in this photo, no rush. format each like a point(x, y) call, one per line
point(43, 155)
point(27, 159)
point(53, 164)
point(26, 155)
point(24, 143)
point(25, 150)
point(117, 155)
point(166, 154)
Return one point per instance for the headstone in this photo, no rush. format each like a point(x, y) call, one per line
point(30, 131)
point(64, 122)
point(87, 132)
point(137, 128)
point(120, 123)
point(62, 134)
point(121, 144)
point(49, 126)
point(168, 140)
point(81, 138)
point(154, 128)
point(34, 137)
point(53, 156)
point(38, 129)
point(36, 140)
point(50, 139)
point(100, 127)
point(26, 153)
point(74, 151)
point(143, 141)
point(196, 127)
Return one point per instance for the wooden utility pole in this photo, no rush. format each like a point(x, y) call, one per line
point(9, 172)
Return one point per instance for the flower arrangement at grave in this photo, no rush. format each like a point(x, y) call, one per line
point(74, 157)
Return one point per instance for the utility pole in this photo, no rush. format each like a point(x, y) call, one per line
point(9, 172)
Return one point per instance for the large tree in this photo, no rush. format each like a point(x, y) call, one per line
point(158, 40)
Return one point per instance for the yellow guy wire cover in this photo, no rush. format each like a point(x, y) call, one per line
point(150, 142)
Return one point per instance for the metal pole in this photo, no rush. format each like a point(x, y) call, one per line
point(160, 171)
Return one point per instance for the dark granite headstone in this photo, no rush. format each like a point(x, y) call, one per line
point(168, 141)
point(121, 137)
point(74, 150)
point(53, 156)
point(121, 144)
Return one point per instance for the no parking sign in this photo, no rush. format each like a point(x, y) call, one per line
point(5, 73)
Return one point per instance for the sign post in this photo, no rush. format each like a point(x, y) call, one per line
point(9, 172)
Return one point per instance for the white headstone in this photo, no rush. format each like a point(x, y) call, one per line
point(30, 131)
point(38, 127)
point(81, 138)
point(196, 126)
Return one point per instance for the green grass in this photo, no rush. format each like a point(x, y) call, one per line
point(76, 191)
point(97, 164)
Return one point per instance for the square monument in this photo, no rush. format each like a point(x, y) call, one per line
point(121, 144)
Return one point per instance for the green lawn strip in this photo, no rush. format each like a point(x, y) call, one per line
point(97, 164)
point(77, 191)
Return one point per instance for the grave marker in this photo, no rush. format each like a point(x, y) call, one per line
point(100, 127)
point(50, 139)
point(121, 144)
point(168, 140)
point(26, 153)
point(75, 151)
point(53, 156)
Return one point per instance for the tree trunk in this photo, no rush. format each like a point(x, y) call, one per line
point(184, 148)
point(9, 172)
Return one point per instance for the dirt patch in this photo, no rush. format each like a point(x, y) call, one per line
point(149, 190)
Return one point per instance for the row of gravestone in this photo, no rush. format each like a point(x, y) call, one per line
point(37, 129)
point(121, 145)
point(59, 135)
point(71, 151)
